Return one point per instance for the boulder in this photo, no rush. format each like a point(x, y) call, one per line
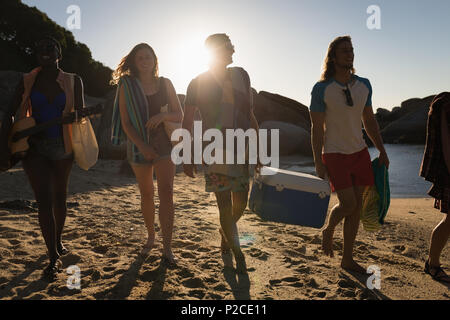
point(293, 139)
point(409, 122)
point(273, 107)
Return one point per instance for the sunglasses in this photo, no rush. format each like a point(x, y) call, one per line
point(348, 96)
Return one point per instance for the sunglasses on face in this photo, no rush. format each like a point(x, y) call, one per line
point(348, 96)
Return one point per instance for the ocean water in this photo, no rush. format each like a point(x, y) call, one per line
point(404, 179)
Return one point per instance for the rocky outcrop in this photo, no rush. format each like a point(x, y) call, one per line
point(292, 139)
point(406, 124)
point(273, 107)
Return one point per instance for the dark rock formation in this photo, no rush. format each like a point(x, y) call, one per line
point(407, 124)
point(273, 107)
point(293, 139)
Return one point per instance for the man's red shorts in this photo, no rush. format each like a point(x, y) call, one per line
point(348, 170)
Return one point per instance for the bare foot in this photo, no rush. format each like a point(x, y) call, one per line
point(327, 242)
point(169, 259)
point(148, 247)
point(225, 248)
point(353, 266)
point(241, 266)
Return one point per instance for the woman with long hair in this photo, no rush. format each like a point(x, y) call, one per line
point(47, 93)
point(138, 119)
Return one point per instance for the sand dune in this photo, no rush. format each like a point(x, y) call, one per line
point(105, 233)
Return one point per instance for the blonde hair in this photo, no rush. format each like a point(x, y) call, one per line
point(329, 68)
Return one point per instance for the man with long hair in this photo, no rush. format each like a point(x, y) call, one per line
point(224, 98)
point(340, 101)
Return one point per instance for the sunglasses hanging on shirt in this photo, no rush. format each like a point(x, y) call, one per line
point(348, 96)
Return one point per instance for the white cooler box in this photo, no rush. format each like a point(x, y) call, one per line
point(290, 197)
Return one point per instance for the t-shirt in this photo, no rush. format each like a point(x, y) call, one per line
point(225, 106)
point(205, 93)
point(343, 123)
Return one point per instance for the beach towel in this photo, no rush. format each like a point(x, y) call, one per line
point(137, 107)
point(381, 176)
point(376, 199)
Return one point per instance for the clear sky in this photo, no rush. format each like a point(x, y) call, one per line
point(281, 43)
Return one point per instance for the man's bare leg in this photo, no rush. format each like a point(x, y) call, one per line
point(346, 206)
point(351, 226)
point(229, 227)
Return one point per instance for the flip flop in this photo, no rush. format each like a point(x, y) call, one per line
point(437, 273)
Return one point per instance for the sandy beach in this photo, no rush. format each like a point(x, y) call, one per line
point(105, 233)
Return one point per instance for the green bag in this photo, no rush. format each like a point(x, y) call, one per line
point(376, 199)
point(382, 183)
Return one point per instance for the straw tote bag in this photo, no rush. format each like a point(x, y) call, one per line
point(84, 144)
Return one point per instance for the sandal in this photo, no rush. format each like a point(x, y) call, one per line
point(437, 273)
point(52, 270)
point(63, 251)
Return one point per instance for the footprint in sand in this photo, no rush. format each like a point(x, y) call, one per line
point(348, 293)
point(346, 283)
point(188, 255)
point(193, 283)
point(200, 294)
point(102, 249)
point(215, 296)
point(14, 242)
point(185, 273)
point(211, 280)
point(20, 253)
point(259, 254)
point(304, 269)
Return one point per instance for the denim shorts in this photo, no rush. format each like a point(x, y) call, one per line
point(139, 159)
point(50, 148)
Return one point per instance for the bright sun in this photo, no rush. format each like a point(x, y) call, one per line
point(188, 59)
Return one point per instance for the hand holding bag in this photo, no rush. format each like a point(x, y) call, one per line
point(84, 144)
point(170, 126)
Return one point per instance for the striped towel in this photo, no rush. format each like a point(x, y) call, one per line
point(137, 107)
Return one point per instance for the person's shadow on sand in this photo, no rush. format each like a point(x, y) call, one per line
point(239, 282)
point(125, 284)
point(32, 287)
point(158, 276)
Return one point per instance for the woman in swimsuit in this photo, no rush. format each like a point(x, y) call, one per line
point(45, 94)
point(150, 151)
